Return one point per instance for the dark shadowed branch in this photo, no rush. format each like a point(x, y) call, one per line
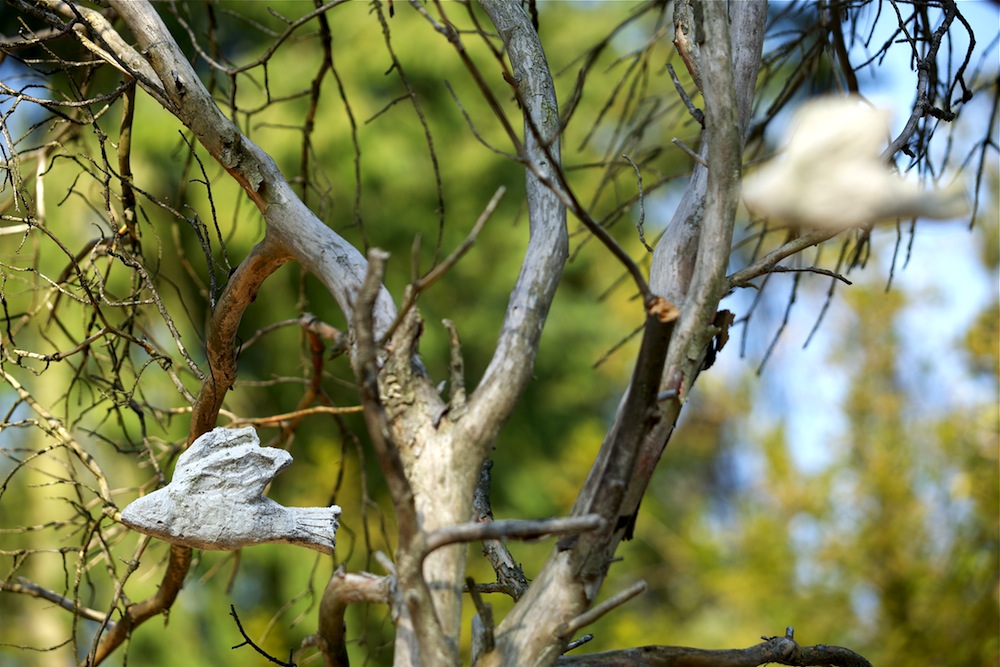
point(773, 651)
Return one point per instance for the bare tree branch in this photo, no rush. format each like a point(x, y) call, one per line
point(342, 590)
point(240, 292)
point(298, 231)
point(766, 263)
point(366, 368)
point(510, 576)
point(774, 650)
point(430, 638)
point(494, 398)
point(138, 613)
point(57, 430)
point(26, 587)
point(598, 610)
point(570, 580)
point(522, 529)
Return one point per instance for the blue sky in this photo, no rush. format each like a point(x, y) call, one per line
point(944, 276)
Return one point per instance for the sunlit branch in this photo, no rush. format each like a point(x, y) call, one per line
point(239, 294)
point(597, 611)
point(440, 269)
point(26, 587)
point(277, 420)
point(344, 589)
point(55, 427)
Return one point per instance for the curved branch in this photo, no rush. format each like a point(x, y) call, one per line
point(344, 589)
point(724, 153)
point(366, 370)
point(689, 270)
point(293, 231)
point(430, 644)
point(924, 105)
point(337, 263)
point(768, 262)
point(548, 246)
point(239, 293)
point(136, 614)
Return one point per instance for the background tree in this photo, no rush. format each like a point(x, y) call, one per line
point(137, 281)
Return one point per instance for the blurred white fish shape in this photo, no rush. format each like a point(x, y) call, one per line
point(829, 173)
point(215, 499)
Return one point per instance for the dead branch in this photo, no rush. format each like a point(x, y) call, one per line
point(510, 576)
point(220, 348)
point(767, 263)
point(774, 650)
point(26, 587)
point(598, 610)
point(138, 613)
point(724, 153)
point(294, 228)
point(512, 363)
point(424, 282)
point(521, 529)
point(429, 636)
point(344, 589)
point(688, 271)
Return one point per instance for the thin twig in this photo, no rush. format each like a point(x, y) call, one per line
point(434, 274)
point(599, 610)
point(577, 643)
point(296, 414)
point(695, 112)
point(249, 642)
point(811, 269)
point(522, 529)
point(27, 587)
point(690, 153)
point(642, 204)
point(768, 262)
point(485, 611)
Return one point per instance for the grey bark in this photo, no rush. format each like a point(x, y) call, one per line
point(690, 270)
point(432, 457)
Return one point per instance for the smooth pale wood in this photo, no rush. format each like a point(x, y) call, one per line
point(215, 500)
